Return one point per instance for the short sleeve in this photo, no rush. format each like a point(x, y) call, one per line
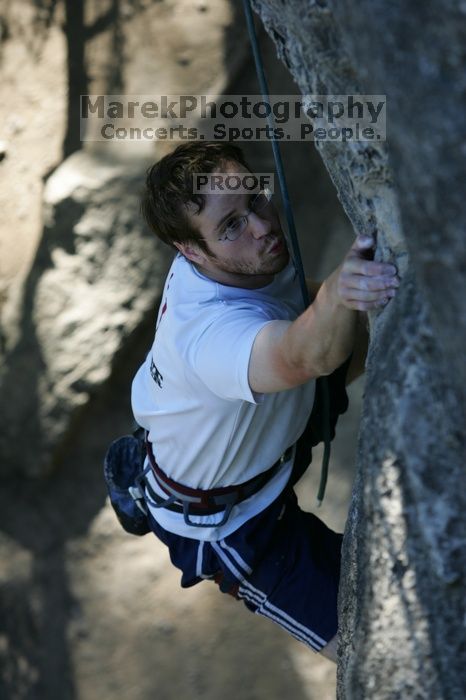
point(220, 353)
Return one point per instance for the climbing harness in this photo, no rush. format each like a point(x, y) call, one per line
point(130, 489)
point(189, 501)
point(322, 388)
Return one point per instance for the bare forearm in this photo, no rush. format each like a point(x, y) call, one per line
point(322, 338)
point(286, 354)
point(329, 324)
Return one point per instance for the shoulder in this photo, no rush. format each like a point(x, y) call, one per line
point(189, 284)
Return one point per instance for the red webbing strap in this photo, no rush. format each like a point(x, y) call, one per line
point(203, 497)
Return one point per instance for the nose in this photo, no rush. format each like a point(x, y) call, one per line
point(258, 226)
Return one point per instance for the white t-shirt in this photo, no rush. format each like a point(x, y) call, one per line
point(192, 394)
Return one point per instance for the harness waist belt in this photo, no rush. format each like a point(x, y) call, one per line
point(187, 500)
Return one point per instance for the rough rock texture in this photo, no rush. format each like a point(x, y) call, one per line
point(66, 309)
point(402, 592)
point(96, 274)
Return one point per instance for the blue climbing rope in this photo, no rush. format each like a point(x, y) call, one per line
point(321, 384)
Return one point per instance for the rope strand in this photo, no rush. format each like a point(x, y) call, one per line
point(321, 383)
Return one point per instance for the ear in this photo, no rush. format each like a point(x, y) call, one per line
point(190, 251)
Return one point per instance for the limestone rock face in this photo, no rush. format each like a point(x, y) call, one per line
point(98, 271)
point(404, 561)
point(414, 53)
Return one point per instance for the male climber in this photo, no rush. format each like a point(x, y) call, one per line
point(228, 389)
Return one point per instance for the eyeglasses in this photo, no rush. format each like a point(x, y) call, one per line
point(236, 226)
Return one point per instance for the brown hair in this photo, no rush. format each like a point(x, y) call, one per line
point(169, 187)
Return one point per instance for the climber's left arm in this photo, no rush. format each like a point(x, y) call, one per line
point(361, 342)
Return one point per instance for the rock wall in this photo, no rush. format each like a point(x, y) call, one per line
point(402, 590)
point(79, 271)
point(96, 274)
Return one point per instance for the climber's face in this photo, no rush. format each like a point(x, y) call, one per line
point(245, 242)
